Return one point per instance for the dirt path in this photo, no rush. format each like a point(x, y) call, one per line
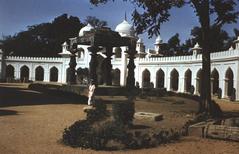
point(33, 122)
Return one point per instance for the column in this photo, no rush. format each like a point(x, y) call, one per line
point(33, 75)
point(196, 85)
point(72, 68)
point(46, 75)
point(17, 72)
point(93, 63)
point(131, 66)
point(123, 67)
point(181, 84)
point(168, 83)
point(153, 79)
point(212, 80)
point(108, 66)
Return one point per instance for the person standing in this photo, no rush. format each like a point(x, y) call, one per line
point(91, 94)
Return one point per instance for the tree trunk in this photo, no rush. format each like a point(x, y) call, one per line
point(204, 18)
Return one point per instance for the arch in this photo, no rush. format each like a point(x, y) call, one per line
point(118, 52)
point(10, 72)
point(160, 78)
point(187, 80)
point(229, 87)
point(199, 81)
point(81, 53)
point(116, 77)
point(53, 74)
point(24, 73)
point(39, 73)
point(68, 74)
point(146, 78)
point(82, 75)
point(214, 81)
point(174, 78)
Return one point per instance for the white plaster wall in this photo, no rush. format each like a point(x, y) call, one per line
point(220, 61)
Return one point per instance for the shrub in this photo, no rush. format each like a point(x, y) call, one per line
point(123, 112)
point(112, 136)
point(85, 135)
point(97, 113)
point(75, 134)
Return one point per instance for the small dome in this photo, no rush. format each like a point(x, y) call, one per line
point(125, 29)
point(196, 45)
point(158, 40)
point(140, 41)
point(64, 44)
point(87, 28)
point(231, 48)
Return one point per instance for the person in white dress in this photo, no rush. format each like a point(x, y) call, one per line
point(91, 94)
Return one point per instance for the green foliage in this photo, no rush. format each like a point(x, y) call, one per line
point(95, 22)
point(83, 134)
point(220, 39)
point(156, 12)
point(174, 41)
point(123, 112)
point(100, 136)
point(98, 113)
point(44, 39)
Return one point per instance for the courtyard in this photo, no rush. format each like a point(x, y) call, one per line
point(33, 122)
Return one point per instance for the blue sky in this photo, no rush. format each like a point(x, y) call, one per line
point(16, 15)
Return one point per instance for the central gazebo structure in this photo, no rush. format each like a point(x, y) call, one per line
point(97, 39)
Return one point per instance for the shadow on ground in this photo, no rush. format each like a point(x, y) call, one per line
point(7, 112)
point(230, 114)
point(12, 96)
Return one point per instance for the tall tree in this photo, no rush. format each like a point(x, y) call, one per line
point(174, 44)
point(43, 39)
point(236, 32)
point(95, 22)
point(220, 38)
point(210, 13)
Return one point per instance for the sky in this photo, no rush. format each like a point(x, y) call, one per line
point(16, 15)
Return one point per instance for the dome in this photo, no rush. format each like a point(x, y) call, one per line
point(140, 41)
point(87, 28)
point(158, 40)
point(125, 29)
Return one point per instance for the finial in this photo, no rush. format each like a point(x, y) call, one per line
point(231, 48)
point(125, 16)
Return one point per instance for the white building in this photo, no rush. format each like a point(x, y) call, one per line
point(179, 73)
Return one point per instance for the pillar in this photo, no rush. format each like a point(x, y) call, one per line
point(225, 88)
point(153, 79)
point(181, 84)
point(131, 66)
point(212, 84)
point(72, 67)
point(93, 63)
point(108, 66)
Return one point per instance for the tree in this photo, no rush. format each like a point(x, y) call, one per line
point(220, 38)
point(95, 22)
point(43, 39)
point(210, 13)
point(236, 32)
point(174, 43)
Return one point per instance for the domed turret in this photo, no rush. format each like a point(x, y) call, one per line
point(125, 29)
point(237, 43)
point(65, 52)
point(158, 43)
point(196, 49)
point(87, 28)
point(140, 48)
point(158, 40)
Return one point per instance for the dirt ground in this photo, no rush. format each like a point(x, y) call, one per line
point(33, 122)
